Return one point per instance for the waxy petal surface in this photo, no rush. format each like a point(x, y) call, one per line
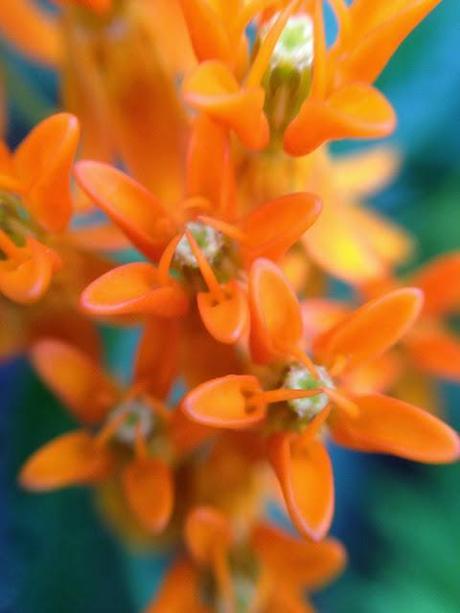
point(227, 319)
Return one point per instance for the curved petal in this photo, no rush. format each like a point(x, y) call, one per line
point(149, 490)
point(276, 320)
point(440, 282)
point(226, 319)
point(134, 289)
point(27, 280)
point(275, 226)
point(355, 111)
point(436, 352)
point(300, 563)
point(43, 164)
point(100, 238)
point(134, 209)
point(207, 31)
point(304, 471)
point(213, 89)
point(387, 425)
point(179, 592)
point(205, 529)
point(70, 459)
point(224, 403)
point(77, 380)
point(372, 329)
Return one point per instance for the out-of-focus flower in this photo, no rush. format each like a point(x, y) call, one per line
point(306, 396)
point(265, 570)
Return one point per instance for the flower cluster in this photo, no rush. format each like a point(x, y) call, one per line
point(204, 146)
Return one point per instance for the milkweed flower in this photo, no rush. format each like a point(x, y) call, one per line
point(306, 395)
point(265, 570)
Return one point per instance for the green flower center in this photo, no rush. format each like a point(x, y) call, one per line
point(138, 415)
point(299, 378)
point(210, 242)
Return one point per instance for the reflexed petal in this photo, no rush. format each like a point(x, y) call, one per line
point(304, 470)
point(276, 225)
point(207, 31)
point(134, 209)
point(372, 329)
point(207, 528)
point(70, 459)
point(133, 289)
point(296, 562)
point(26, 280)
point(43, 164)
point(148, 487)
point(435, 351)
point(276, 320)
point(355, 111)
point(227, 319)
point(440, 282)
point(78, 381)
point(213, 89)
point(223, 403)
point(179, 592)
point(387, 425)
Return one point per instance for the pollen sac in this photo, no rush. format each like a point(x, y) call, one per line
point(288, 79)
point(210, 242)
point(138, 415)
point(300, 378)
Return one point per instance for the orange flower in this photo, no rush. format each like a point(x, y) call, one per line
point(310, 94)
point(35, 202)
point(309, 395)
point(267, 571)
point(136, 441)
point(202, 239)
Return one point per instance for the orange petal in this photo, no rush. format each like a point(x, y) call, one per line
point(440, 282)
point(26, 279)
point(78, 381)
point(134, 209)
point(320, 315)
point(98, 6)
point(305, 474)
point(43, 164)
point(372, 329)
point(100, 238)
point(213, 89)
point(226, 319)
point(207, 31)
point(148, 487)
point(296, 562)
point(205, 529)
point(179, 592)
point(134, 289)
point(355, 111)
point(276, 320)
point(380, 375)
point(156, 359)
point(70, 459)
point(276, 225)
point(436, 352)
point(223, 403)
point(387, 425)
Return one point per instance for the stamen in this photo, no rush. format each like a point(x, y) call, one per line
point(205, 269)
point(127, 419)
point(342, 401)
point(209, 241)
point(225, 228)
point(300, 378)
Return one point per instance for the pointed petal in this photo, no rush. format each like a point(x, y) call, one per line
point(77, 380)
point(70, 459)
point(227, 319)
point(296, 562)
point(372, 329)
point(276, 225)
point(355, 111)
point(156, 358)
point(213, 89)
point(134, 209)
point(223, 403)
point(178, 592)
point(276, 320)
point(436, 352)
point(305, 474)
point(43, 164)
point(387, 425)
point(205, 529)
point(133, 289)
point(27, 280)
point(148, 487)
point(440, 282)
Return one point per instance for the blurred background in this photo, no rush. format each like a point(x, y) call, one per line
point(400, 521)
